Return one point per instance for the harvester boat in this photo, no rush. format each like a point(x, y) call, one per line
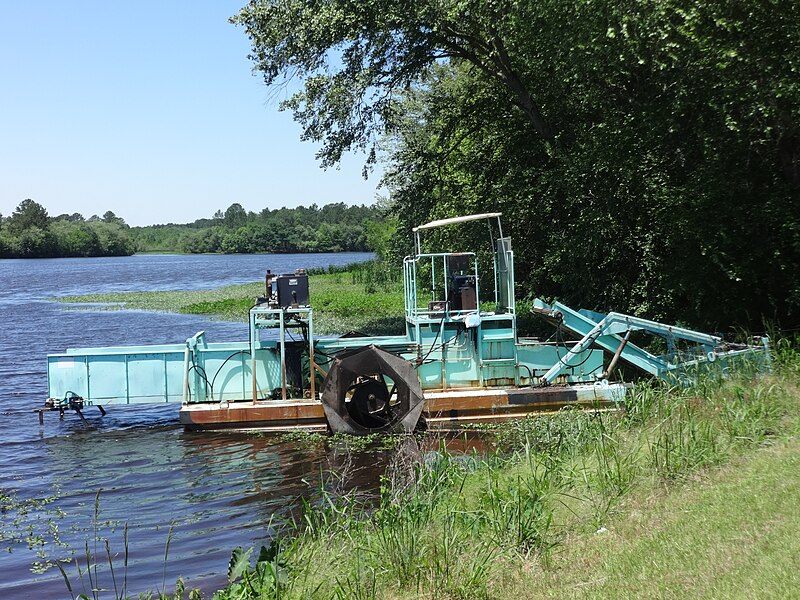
point(459, 361)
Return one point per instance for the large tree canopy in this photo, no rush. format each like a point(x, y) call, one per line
point(646, 152)
point(28, 214)
point(357, 57)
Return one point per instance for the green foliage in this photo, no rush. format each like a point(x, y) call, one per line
point(240, 561)
point(28, 214)
point(330, 228)
point(30, 233)
point(649, 204)
point(645, 154)
point(265, 580)
point(380, 235)
point(235, 216)
point(355, 58)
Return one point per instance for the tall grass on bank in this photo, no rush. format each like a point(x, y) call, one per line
point(482, 527)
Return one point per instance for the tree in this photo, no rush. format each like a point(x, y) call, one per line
point(673, 191)
point(32, 234)
point(35, 242)
point(110, 217)
point(356, 57)
point(379, 235)
point(235, 216)
point(75, 217)
point(81, 240)
point(28, 214)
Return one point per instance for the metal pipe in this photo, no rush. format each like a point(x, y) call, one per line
point(311, 354)
point(446, 286)
point(255, 383)
point(186, 374)
point(444, 357)
point(283, 356)
point(433, 279)
point(616, 356)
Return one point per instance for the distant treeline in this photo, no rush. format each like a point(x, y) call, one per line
point(330, 228)
point(29, 232)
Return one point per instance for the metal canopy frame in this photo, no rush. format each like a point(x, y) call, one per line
point(454, 221)
point(503, 263)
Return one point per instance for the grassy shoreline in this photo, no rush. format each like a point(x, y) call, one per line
point(690, 492)
point(679, 496)
point(366, 297)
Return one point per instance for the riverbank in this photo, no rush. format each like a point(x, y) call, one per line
point(690, 492)
point(365, 297)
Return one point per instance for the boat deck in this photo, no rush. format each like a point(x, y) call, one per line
point(444, 409)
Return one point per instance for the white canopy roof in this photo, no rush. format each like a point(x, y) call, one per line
point(453, 220)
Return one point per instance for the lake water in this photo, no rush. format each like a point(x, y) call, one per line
point(216, 490)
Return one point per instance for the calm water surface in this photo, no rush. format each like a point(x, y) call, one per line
point(217, 490)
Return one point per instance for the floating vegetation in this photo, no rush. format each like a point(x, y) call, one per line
point(33, 524)
point(348, 443)
point(170, 301)
point(365, 298)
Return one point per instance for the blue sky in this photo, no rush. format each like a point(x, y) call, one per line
point(151, 110)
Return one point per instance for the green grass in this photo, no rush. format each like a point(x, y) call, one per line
point(689, 492)
point(366, 299)
point(731, 533)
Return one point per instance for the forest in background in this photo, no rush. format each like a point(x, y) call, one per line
point(334, 227)
point(29, 232)
point(646, 154)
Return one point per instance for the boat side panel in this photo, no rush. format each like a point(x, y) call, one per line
point(118, 378)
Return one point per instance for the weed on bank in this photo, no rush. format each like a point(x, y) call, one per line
point(498, 525)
